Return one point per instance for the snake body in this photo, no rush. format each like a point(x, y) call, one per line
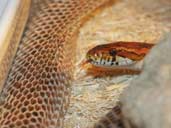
point(36, 92)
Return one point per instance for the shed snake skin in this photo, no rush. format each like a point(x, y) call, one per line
point(37, 90)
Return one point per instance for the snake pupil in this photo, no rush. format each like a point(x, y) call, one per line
point(112, 52)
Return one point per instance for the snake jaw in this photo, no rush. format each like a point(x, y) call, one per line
point(108, 61)
point(95, 70)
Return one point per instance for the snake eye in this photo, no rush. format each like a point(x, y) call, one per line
point(112, 52)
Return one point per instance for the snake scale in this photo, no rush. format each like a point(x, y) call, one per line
point(37, 90)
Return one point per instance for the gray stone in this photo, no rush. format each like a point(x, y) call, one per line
point(147, 101)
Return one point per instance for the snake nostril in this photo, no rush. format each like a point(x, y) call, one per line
point(90, 59)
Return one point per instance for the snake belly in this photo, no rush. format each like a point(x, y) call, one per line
point(36, 92)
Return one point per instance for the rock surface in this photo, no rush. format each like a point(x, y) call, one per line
point(126, 20)
point(147, 101)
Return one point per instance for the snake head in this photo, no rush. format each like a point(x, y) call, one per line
point(105, 55)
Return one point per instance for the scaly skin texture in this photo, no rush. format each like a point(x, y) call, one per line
point(36, 92)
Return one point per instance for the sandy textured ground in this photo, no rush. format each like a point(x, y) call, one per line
point(127, 20)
